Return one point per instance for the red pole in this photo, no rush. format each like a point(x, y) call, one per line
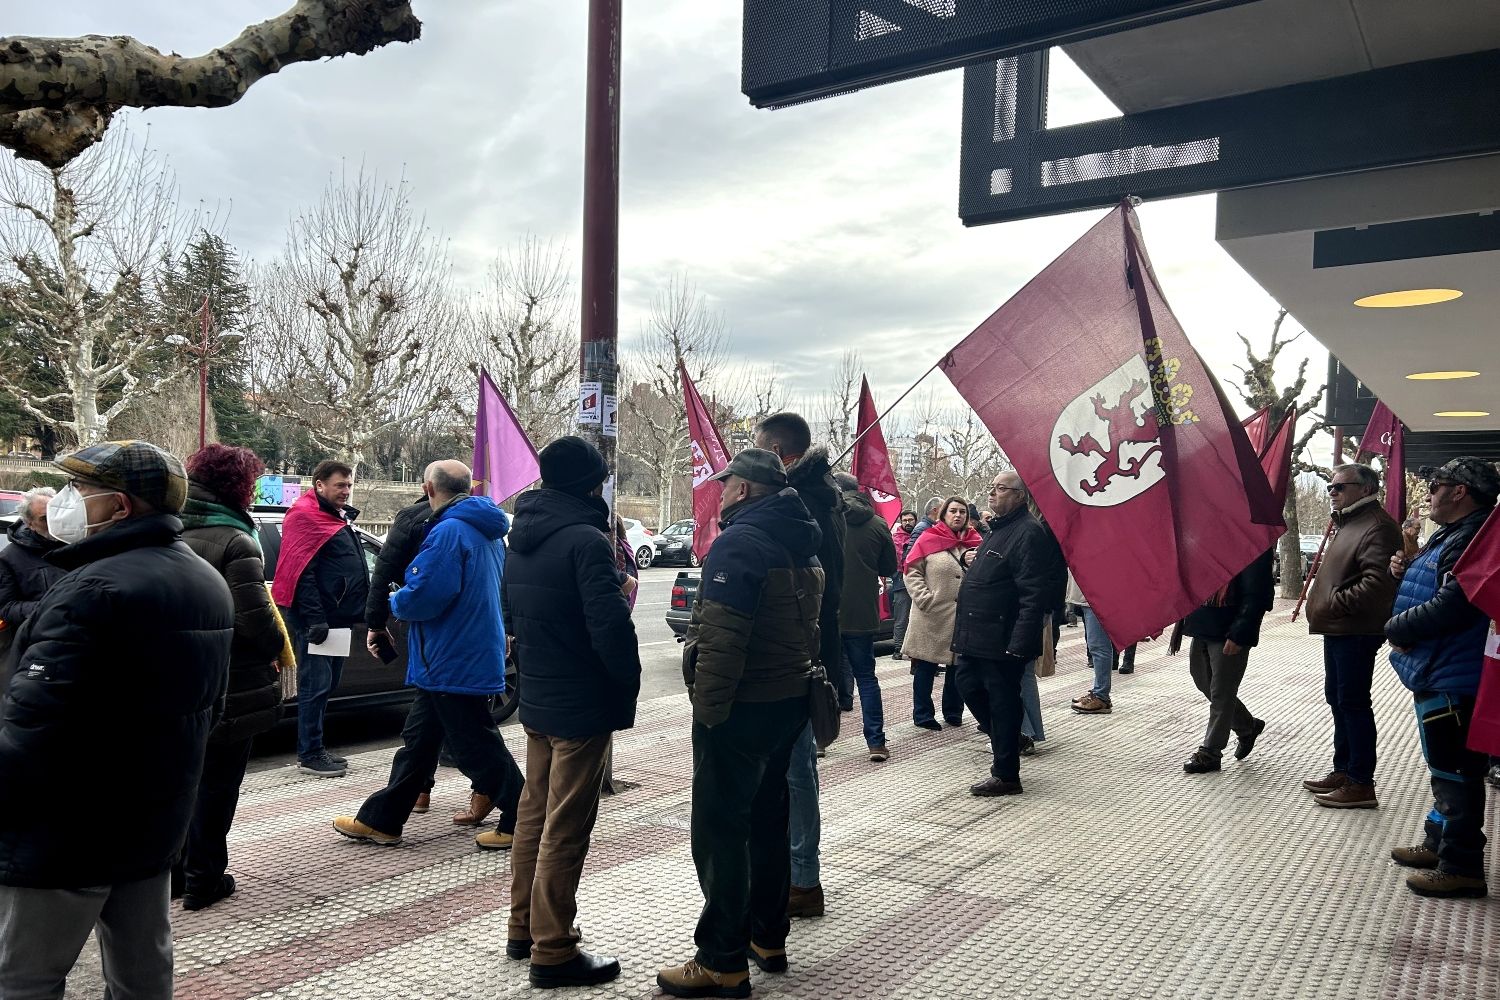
point(1338, 446)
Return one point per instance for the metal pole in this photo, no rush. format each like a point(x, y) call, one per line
point(598, 355)
point(203, 377)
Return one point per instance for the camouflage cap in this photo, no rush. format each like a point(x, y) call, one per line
point(1466, 470)
point(136, 467)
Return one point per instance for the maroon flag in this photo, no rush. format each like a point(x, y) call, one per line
point(871, 466)
point(1478, 575)
point(709, 457)
point(1256, 425)
point(1276, 458)
point(1124, 437)
point(1384, 436)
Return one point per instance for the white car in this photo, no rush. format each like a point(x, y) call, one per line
point(641, 540)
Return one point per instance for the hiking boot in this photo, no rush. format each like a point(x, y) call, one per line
point(1092, 704)
point(424, 803)
point(1446, 885)
point(193, 899)
point(802, 902)
point(991, 787)
point(583, 969)
point(494, 840)
point(1201, 763)
point(1320, 786)
point(768, 959)
point(480, 806)
point(322, 766)
point(932, 724)
point(1245, 744)
point(1349, 796)
point(879, 755)
point(1420, 856)
point(355, 830)
point(692, 980)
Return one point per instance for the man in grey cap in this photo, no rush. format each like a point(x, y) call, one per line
point(119, 675)
point(749, 650)
point(1437, 647)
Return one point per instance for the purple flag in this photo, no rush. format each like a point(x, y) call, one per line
point(505, 462)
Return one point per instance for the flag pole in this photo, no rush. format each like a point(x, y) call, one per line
point(876, 422)
point(1312, 569)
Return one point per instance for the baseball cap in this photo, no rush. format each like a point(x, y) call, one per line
point(1466, 470)
point(138, 468)
point(755, 465)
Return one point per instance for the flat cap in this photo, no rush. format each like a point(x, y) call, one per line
point(138, 468)
point(755, 465)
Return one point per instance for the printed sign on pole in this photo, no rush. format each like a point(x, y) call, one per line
point(611, 416)
point(590, 404)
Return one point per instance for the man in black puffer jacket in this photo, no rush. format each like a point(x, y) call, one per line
point(401, 545)
point(580, 666)
point(118, 677)
point(25, 573)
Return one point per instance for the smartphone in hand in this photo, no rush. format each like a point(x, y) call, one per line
point(384, 648)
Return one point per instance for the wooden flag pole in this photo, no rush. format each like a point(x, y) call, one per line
point(876, 422)
point(1312, 570)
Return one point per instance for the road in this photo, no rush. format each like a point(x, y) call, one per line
point(661, 676)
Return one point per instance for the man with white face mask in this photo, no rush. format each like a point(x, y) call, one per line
point(119, 675)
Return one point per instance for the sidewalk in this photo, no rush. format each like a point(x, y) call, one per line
point(1114, 876)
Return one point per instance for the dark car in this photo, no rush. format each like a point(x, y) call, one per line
point(366, 682)
point(685, 592)
point(674, 546)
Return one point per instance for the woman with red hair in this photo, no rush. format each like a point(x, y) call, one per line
point(216, 524)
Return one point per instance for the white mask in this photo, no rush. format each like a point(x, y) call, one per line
point(68, 515)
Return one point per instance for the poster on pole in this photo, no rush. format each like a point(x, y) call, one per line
point(590, 403)
point(611, 416)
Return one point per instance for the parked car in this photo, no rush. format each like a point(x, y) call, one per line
point(6, 520)
point(641, 540)
point(674, 546)
point(10, 501)
point(366, 682)
point(685, 592)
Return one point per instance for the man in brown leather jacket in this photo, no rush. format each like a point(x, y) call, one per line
point(1348, 605)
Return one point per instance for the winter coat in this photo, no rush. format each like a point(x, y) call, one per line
point(400, 547)
point(25, 575)
point(1008, 591)
point(933, 585)
point(1237, 611)
point(226, 539)
point(869, 555)
point(333, 590)
point(452, 601)
point(757, 618)
point(1443, 635)
point(812, 478)
point(575, 644)
point(120, 671)
point(1354, 590)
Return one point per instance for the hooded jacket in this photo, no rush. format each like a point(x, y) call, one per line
point(575, 643)
point(401, 545)
point(226, 539)
point(812, 477)
point(1440, 635)
point(119, 674)
point(452, 600)
point(756, 623)
point(25, 574)
point(1354, 590)
point(869, 554)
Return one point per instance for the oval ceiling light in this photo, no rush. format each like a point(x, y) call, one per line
point(1409, 297)
point(1459, 414)
point(1439, 376)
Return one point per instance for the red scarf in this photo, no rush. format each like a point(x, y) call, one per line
point(939, 538)
point(305, 529)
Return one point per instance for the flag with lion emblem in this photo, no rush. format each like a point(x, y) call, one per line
point(1126, 440)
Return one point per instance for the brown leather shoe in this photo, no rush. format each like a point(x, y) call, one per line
point(424, 803)
point(1420, 856)
point(1349, 796)
point(1321, 786)
point(805, 902)
point(692, 980)
point(480, 806)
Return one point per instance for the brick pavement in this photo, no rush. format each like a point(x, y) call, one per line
point(1115, 875)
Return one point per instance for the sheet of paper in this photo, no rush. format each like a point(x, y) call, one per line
point(337, 643)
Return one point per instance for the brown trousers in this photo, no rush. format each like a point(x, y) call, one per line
point(556, 815)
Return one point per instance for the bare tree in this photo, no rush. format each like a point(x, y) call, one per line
point(356, 326)
point(83, 250)
point(57, 95)
point(839, 405)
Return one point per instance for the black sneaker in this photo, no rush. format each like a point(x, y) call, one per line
point(336, 758)
point(1027, 747)
point(1245, 744)
point(193, 899)
point(322, 766)
point(932, 724)
point(1201, 763)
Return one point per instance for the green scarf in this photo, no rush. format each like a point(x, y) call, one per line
point(209, 514)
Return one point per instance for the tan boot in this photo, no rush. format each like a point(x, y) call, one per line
point(355, 830)
point(767, 959)
point(424, 803)
point(692, 980)
point(494, 840)
point(480, 806)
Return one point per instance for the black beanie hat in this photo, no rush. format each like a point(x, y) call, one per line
point(572, 465)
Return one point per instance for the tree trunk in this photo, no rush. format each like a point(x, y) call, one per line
point(664, 497)
point(1291, 550)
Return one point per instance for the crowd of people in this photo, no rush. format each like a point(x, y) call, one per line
point(144, 648)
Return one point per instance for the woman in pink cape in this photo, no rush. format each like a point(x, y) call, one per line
point(933, 571)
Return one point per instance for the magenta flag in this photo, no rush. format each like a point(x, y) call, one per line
point(1126, 440)
point(1256, 426)
point(871, 465)
point(1384, 436)
point(709, 457)
point(505, 462)
point(1276, 458)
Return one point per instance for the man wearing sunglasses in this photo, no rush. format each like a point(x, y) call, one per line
point(1437, 647)
point(1348, 605)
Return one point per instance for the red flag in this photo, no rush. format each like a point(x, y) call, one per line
point(1124, 437)
point(1384, 436)
point(871, 466)
point(1276, 458)
point(709, 457)
point(1256, 425)
point(1478, 575)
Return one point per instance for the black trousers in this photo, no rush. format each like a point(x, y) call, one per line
point(739, 829)
point(992, 690)
point(206, 854)
point(464, 721)
point(1455, 825)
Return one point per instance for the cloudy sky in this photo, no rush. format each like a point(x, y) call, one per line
point(814, 229)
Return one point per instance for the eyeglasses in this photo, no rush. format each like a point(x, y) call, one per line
point(1013, 489)
point(1433, 486)
point(1334, 489)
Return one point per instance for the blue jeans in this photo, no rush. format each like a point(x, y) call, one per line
point(1455, 825)
point(923, 674)
point(843, 683)
point(1348, 670)
point(1031, 704)
point(317, 678)
point(1101, 654)
point(859, 653)
point(804, 824)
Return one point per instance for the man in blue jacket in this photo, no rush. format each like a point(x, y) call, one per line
point(455, 658)
point(1437, 647)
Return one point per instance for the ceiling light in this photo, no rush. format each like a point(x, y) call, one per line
point(1462, 413)
point(1409, 297)
point(1439, 376)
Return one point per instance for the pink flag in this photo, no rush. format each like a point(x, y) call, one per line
point(505, 462)
point(1256, 425)
point(1276, 458)
point(709, 458)
point(1124, 437)
point(1384, 436)
point(871, 466)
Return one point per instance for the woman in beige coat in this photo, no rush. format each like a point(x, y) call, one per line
point(934, 570)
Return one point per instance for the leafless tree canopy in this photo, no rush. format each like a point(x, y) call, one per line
point(839, 407)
